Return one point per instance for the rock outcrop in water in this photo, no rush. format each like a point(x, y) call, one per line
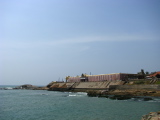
point(152, 116)
point(26, 86)
point(31, 87)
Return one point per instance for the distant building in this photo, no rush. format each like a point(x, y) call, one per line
point(156, 74)
point(104, 77)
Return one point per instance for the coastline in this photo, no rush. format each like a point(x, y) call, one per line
point(104, 88)
point(108, 88)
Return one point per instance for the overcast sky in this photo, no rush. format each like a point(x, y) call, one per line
point(45, 40)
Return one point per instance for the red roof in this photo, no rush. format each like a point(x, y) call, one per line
point(153, 75)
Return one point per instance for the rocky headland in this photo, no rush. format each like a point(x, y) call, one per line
point(31, 87)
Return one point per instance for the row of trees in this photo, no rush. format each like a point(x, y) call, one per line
point(145, 73)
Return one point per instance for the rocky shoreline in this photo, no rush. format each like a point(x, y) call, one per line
point(25, 87)
point(117, 90)
point(137, 95)
point(126, 93)
point(108, 88)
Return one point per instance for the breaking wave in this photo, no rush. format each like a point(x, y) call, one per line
point(77, 94)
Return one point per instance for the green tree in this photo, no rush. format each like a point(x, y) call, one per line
point(147, 73)
point(67, 77)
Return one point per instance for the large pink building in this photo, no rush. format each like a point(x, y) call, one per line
point(104, 77)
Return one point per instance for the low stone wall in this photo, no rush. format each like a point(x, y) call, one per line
point(84, 85)
point(134, 87)
point(98, 85)
point(91, 85)
point(87, 89)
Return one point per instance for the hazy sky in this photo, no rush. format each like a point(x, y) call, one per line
point(45, 40)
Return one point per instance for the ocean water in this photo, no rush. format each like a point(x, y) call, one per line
point(52, 105)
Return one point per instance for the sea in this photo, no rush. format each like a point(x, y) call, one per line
point(53, 105)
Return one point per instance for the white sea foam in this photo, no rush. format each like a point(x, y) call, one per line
point(72, 95)
point(8, 88)
point(154, 101)
point(78, 94)
point(83, 93)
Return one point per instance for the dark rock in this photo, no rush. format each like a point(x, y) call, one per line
point(120, 97)
point(103, 96)
point(26, 86)
point(147, 99)
point(93, 93)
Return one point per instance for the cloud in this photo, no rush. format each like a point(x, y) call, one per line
point(72, 41)
point(105, 39)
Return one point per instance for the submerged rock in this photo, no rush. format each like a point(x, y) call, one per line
point(120, 97)
point(93, 93)
point(147, 99)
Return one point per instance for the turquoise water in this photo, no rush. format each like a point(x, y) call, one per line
point(50, 105)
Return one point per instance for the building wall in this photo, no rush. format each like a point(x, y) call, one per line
point(74, 79)
point(103, 77)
